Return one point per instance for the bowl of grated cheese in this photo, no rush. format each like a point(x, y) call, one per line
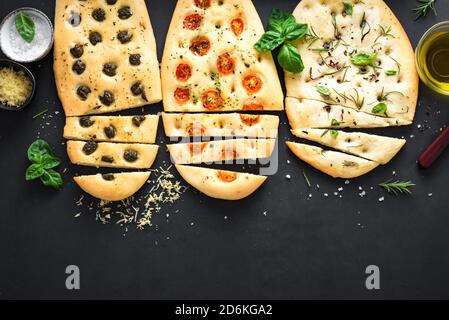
point(17, 85)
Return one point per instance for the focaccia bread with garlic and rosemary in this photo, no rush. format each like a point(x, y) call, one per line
point(105, 56)
point(220, 184)
point(129, 129)
point(221, 150)
point(112, 155)
point(112, 186)
point(335, 164)
point(306, 113)
point(220, 125)
point(210, 64)
point(368, 146)
point(356, 55)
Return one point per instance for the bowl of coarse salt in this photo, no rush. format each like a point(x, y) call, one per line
point(26, 35)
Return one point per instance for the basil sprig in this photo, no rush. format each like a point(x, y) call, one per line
point(25, 26)
point(43, 163)
point(283, 29)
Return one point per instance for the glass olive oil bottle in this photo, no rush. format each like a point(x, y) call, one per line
point(432, 57)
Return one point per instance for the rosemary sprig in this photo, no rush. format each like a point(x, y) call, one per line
point(311, 36)
point(397, 187)
point(363, 24)
point(40, 114)
point(423, 7)
point(306, 178)
point(384, 32)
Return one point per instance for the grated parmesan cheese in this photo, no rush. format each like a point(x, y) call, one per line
point(15, 87)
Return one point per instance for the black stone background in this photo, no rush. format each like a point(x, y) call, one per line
point(301, 248)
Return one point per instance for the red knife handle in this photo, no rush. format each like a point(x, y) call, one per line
point(434, 150)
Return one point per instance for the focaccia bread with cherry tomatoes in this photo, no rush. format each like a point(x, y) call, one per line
point(210, 64)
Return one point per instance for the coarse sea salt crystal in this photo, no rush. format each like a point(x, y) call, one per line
point(16, 48)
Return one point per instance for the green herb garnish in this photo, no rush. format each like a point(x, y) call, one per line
point(335, 122)
point(364, 59)
point(323, 91)
point(423, 7)
point(282, 29)
point(397, 187)
point(391, 73)
point(334, 134)
point(348, 8)
point(25, 26)
point(380, 108)
point(44, 162)
point(307, 180)
point(40, 114)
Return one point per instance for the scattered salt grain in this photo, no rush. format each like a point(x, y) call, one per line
point(381, 199)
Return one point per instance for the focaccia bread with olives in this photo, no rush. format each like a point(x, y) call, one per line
point(220, 125)
point(357, 55)
point(104, 56)
point(112, 155)
point(221, 150)
point(210, 64)
point(112, 186)
point(130, 129)
point(220, 184)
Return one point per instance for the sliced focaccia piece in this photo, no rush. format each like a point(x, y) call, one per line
point(375, 148)
point(132, 129)
point(335, 164)
point(112, 186)
point(105, 57)
point(220, 125)
point(357, 54)
point(210, 63)
point(304, 113)
point(221, 150)
point(220, 184)
point(112, 155)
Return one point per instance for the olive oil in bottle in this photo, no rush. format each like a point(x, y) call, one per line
point(434, 60)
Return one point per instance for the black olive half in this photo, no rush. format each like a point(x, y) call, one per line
point(79, 67)
point(108, 176)
point(124, 36)
point(95, 37)
point(107, 159)
point(107, 98)
point(124, 13)
point(131, 155)
point(134, 59)
point(111, 2)
point(90, 147)
point(137, 88)
point(110, 132)
point(110, 69)
point(86, 122)
point(77, 51)
point(99, 14)
point(137, 120)
point(83, 92)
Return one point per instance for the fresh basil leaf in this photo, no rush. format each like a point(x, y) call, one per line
point(381, 108)
point(25, 26)
point(323, 91)
point(34, 171)
point(335, 122)
point(269, 41)
point(334, 134)
point(290, 59)
point(348, 8)
point(295, 31)
point(364, 59)
point(38, 150)
point(277, 20)
point(50, 162)
point(391, 73)
point(51, 178)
